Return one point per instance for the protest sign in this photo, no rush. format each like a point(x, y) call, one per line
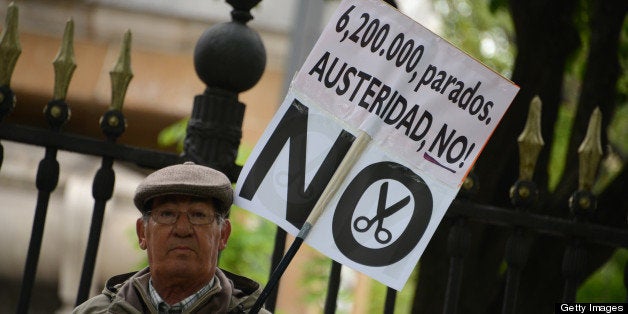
point(428, 108)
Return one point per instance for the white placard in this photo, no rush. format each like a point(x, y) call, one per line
point(429, 109)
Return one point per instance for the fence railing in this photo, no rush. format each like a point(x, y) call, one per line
point(213, 134)
point(213, 137)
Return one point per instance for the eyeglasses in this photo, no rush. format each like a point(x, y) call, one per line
point(195, 217)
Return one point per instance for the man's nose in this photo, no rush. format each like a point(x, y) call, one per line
point(183, 226)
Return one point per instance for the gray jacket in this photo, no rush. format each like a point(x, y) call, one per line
point(129, 293)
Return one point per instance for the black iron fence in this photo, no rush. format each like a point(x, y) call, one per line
point(213, 137)
point(213, 134)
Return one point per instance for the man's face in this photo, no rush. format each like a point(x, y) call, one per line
point(182, 249)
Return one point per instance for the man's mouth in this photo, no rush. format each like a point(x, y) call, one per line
point(181, 247)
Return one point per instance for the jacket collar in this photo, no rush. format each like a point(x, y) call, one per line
point(231, 293)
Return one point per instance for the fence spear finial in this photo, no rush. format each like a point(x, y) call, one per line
point(530, 141)
point(121, 74)
point(113, 122)
point(64, 63)
point(524, 192)
point(590, 151)
point(10, 48)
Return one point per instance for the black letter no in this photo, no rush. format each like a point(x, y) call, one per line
point(293, 127)
point(409, 238)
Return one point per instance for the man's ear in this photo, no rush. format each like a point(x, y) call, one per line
point(225, 232)
point(141, 234)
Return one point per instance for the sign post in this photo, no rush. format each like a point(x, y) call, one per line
point(372, 142)
point(347, 162)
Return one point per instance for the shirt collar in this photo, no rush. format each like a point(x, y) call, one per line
point(180, 306)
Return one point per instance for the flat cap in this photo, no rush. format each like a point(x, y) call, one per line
point(186, 179)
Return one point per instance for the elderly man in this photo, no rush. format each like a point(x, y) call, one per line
point(183, 228)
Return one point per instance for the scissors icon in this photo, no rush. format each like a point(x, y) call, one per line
point(363, 224)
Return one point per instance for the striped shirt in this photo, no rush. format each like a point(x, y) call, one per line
point(179, 307)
